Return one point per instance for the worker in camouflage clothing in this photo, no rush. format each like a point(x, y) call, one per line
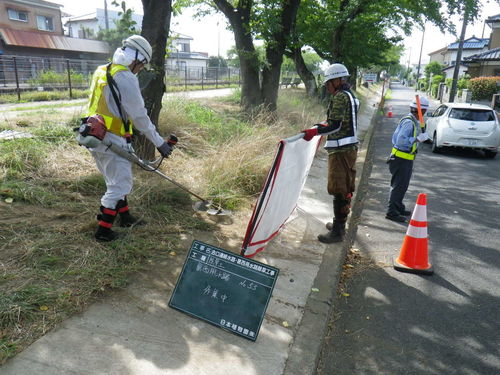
point(341, 145)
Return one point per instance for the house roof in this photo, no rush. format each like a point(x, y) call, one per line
point(490, 55)
point(188, 55)
point(176, 35)
point(43, 3)
point(437, 51)
point(472, 43)
point(47, 41)
point(84, 17)
point(492, 19)
point(453, 66)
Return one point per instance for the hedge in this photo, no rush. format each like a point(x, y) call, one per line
point(483, 87)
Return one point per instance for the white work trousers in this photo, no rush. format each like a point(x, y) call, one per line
point(116, 170)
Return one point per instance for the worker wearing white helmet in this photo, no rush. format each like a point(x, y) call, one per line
point(341, 145)
point(116, 101)
point(405, 142)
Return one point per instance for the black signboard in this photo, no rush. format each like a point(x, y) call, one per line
point(224, 289)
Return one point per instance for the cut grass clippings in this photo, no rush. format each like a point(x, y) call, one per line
point(50, 189)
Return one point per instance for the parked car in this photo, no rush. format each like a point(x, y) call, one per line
point(464, 125)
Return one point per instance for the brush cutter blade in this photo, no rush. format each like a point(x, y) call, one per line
point(218, 212)
point(209, 208)
point(202, 205)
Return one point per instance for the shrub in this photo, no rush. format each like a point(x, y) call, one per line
point(52, 78)
point(483, 87)
point(436, 80)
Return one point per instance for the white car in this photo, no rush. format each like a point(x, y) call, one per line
point(464, 125)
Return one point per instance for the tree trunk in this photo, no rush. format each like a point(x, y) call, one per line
point(254, 93)
point(275, 51)
point(239, 19)
point(155, 28)
point(304, 73)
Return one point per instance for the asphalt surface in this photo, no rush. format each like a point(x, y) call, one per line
point(447, 323)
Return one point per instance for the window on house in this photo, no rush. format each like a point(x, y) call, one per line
point(184, 47)
point(18, 15)
point(45, 23)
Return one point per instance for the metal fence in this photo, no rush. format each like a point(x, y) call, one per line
point(22, 73)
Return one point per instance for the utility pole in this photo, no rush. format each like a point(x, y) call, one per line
point(408, 69)
point(458, 60)
point(106, 20)
point(420, 57)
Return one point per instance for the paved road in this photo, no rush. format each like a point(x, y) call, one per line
point(14, 110)
point(448, 323)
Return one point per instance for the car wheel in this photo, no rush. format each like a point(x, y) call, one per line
point(489, 154)
point(435, 147)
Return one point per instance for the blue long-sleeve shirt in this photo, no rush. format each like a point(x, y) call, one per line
point(403, 138)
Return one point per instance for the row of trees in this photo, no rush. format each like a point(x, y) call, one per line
point(358, 33)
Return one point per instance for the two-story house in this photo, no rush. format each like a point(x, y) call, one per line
point(447, 56)
point(87, 26)
point(34, 28)
point(487, 63)
point(180, 57)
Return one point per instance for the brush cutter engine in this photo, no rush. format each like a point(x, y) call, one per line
point(91, 132)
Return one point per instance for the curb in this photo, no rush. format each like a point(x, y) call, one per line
point(304, 354)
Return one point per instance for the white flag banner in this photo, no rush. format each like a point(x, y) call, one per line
point(281, 191)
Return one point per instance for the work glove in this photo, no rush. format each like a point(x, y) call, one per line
point(422, 137)
point(310, 133)
point(165, 149)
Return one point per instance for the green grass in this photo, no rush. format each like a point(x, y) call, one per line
point(44, 106)
point(40, 96)
point(388, 94)
point(55, 267)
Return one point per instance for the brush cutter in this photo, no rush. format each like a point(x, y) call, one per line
point(152, 166)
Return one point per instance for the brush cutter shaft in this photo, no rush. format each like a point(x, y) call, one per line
point(145, 165)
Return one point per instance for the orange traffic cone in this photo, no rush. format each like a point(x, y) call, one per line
point(414, 257)
point(389, 112)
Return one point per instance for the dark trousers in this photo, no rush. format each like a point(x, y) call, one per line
point(401, 170)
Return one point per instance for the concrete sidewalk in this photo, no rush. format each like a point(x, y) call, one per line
point(134, 332)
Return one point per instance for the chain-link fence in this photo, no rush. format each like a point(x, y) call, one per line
point(19, 74)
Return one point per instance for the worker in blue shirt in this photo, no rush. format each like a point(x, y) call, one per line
point(404, 148)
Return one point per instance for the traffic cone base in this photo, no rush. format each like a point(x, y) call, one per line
point(402, 268)
point(414, 255)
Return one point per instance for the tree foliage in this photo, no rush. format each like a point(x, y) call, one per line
point(433, 68)
point(124, 27)
point(358, 32)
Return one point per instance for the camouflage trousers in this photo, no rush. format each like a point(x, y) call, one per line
point(342, 172)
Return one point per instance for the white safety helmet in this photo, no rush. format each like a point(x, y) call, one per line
point(141, 45)
point(335, 71)
point(424, 103)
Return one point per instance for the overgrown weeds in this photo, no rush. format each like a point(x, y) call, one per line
point(50, 265)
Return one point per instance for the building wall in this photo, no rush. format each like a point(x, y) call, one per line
point(438, 57)
point(451, 55)
point(32, 11)
point(495, 36)
point(99, 22)
point(485, 69)
point(449, 72)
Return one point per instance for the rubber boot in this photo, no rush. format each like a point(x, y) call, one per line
point(341, 209)
point(126, 219)
point(336, 234)
point(106, 219)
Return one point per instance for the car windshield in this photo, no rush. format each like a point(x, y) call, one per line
point(472, 114)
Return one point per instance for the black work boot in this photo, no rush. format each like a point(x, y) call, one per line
point(126, 219)
point(336, 234)
point(106, 219)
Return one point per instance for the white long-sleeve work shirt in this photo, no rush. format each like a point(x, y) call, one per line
point(133, 105)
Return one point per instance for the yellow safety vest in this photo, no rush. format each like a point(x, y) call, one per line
point(407, 155)
point(97, 101)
